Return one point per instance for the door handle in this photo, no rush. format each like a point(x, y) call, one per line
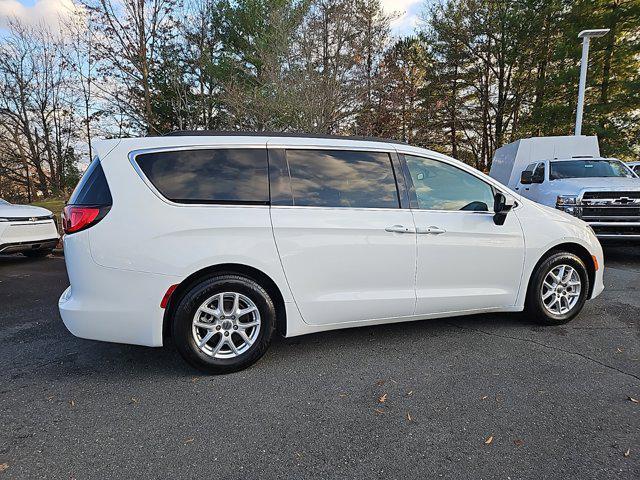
point(431, 230)
point(399, 229)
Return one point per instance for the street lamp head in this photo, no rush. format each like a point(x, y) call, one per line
point(599, 32)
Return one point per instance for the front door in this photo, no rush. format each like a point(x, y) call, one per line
point(347, 248)
point(465, 261)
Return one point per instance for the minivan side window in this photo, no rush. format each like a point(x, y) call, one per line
point(440, 186)
point(217, 176)
point(342, 178)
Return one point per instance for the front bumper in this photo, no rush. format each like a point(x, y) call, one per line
point(19, 247)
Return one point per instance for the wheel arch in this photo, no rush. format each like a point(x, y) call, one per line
point(264, 280)
point(568, 247)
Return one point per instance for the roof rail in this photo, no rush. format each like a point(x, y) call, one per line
point(215, 133)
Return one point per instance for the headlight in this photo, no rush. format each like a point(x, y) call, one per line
point(566, 200)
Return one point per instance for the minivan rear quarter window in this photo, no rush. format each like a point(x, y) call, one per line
point(216, 176)
point(341, 178)
point(93, 188)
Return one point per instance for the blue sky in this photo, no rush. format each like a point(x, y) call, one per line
point(410, 12)
point(48, 10)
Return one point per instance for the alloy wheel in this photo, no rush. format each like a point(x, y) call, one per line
point(226, 325)
point(561, 289)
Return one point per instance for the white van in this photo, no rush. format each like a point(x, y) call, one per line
point(218, 240)
point(569, 174)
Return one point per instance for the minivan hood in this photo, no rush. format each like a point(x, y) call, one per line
point(22, 211)
point(579, 185)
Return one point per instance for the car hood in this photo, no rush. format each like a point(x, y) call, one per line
point(23, 211)
point(601, 184)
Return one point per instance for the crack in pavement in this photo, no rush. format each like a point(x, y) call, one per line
point(550, 347)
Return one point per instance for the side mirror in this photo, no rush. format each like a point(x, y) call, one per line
point(525, 177)
point(501, 206)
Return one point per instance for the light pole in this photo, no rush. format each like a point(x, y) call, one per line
point(586, 36)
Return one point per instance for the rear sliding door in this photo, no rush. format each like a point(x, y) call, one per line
point(347, 248)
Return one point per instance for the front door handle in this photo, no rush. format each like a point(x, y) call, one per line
point(432, 230)
point(399, 229)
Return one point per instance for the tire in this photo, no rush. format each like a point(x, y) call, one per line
point(540, 309)
point(216, 355)
point(37, 253)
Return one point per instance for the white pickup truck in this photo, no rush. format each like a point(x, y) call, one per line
point(569, 174)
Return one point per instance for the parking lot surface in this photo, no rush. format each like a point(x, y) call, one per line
point(488, 396)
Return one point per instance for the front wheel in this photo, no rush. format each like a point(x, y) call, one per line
point(223, 324)
point(558, 289)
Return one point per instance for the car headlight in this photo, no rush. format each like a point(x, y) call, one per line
point(566, 200)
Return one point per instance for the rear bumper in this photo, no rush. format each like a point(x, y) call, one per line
point(110, 304)
point(19, 247)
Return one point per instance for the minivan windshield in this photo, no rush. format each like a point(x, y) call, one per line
point(588, 169)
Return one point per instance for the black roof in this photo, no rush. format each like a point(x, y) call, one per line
point(214, 133)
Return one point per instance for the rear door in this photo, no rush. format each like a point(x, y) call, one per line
point(347, 247)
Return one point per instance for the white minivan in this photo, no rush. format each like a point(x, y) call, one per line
point(218, 240)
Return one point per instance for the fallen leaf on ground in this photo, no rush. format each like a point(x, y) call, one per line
point(188, 440)
point(194, 379)
point(72, 403)
point(485, 397)
point(3, 466)
point(409, 393)
point(342, 395)
point(489, 440)
point(619, 350)
point(377, 410)
point(634, 400)
point(133, 400)
point(380, 383)
point(383, 398)
point(628, 452)
point(409, 417)
point(518, 442)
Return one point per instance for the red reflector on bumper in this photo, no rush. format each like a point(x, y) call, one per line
point(167, 296)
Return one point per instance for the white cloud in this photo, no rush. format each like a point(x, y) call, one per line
point(42, 12)
point(407, 11)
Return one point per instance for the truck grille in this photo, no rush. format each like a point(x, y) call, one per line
point(612, 214)
point(610, 195)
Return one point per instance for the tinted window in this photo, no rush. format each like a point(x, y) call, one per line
point(336, 178)
point(587, 169)
point(637, 169)
point(209, 176)
point(93, 188)
point(440, 186)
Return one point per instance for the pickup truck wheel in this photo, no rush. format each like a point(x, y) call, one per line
point(558, 289)
point(223, 324)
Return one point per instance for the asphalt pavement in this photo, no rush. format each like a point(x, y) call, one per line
point(479, 397)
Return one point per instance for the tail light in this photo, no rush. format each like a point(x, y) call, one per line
point(80, 217)
point(90, 201)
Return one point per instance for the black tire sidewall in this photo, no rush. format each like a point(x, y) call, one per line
point(535, 305)
point(195, 296)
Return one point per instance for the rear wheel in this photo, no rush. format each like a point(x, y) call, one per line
point(224, 324)
point(558, 289)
